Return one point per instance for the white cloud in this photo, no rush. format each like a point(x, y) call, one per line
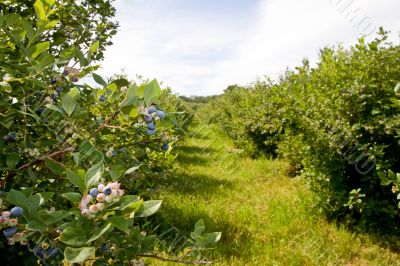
point(203, 53)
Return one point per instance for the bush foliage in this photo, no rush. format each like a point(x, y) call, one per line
point(71, 153)
point(336, 123)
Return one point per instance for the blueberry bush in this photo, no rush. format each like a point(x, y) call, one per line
point(71, 153)
point(335, 123)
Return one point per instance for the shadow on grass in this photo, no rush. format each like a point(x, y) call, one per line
point(194, 149)
point(174, 227)
point(196, 184)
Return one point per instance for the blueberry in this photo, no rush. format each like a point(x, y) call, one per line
point(16, 211)
point(165, 147)
point(38, 252)
point(104, 247)
point(50, 252)
point(148, 118)
point(114, 153)
point(59, 89)
point(151, 109)
point(151, 132)
point(66, 72)
point(75, 79)
point(40, 111)
point(151, 126)
point(9, 232)
point(53, 80)
point(93, 192)
point(102, 98)
point(160, 114)
point(12, 136)
point(54, 96)
point(107, 191)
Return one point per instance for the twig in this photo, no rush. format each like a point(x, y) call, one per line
point(105, 124)
point(42, 158)
point(159, 257)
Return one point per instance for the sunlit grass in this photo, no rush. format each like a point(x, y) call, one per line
point(266, 217)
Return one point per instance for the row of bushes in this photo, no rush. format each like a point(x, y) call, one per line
point(336, 123)
point(72, 154)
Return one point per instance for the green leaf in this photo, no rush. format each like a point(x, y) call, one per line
point(93, 175)
point(67, 53)
point(68, 103)
point(77, 180)
point(11, 19)
point(50, 217)
point(121, 223)
point(151, 91)
point(40, 11)
point(99, 233)
point(129, 210)
point(32, 204)
point(131, 170)
point(199, 228)
point(208, 240)
point(16, 197)
point(78, 255)
point(149, 207)
point(12, 159)
point(93, 48)
point(73, 236)
point(36, 226)
point(99, 79)
point(82, 60)
point(45, 196)
point(116, 171)
point(397, 88)
point(73, 197)
point(40, 48)
point(55, 167)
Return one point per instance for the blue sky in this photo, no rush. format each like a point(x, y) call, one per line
point(199, 47)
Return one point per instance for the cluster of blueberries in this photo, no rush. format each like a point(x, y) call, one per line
point(9, 219)
point(72, 73)
point(98, 197)
point(152, 112)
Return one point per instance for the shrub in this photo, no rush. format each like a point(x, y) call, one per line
point(70, 152)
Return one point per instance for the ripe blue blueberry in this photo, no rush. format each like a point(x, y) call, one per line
point(107, 191)
point(54, 96)
point(148, 118)
point(104, 247)
point(151, 132)
point(151, 126)
point(40, 111)
point(151, 109)
point(53, 80)
point(16, 211)
point(160, 114)
point(66, 72)
point(9, 232)
point(114, 153)
point(75, 79)
point(59, 89)
point(93, 192)
point(165, 147)
point(102, 98)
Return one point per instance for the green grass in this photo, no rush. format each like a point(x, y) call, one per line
point(265, 217)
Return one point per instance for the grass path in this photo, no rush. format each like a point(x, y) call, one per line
point(266, 218)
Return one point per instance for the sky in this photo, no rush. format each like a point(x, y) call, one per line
point(200, 47)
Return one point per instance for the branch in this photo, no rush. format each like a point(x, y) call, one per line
point(104, 124)
point(159, 257)
point(40, 159)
